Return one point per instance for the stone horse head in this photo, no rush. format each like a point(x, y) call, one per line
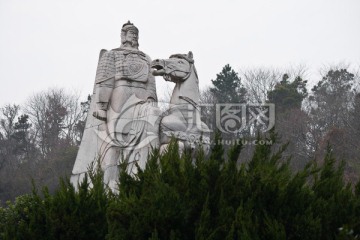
point(182, 119)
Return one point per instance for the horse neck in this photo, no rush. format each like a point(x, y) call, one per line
point(188, 88)
point(191, 78)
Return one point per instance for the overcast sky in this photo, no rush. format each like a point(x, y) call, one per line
point(46, 43)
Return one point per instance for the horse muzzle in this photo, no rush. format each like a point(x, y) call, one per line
point(158, 67)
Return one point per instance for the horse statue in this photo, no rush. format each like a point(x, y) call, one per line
point(182, 119)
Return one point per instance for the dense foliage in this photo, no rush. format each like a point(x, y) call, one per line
point(227, 87)
point(187, 197)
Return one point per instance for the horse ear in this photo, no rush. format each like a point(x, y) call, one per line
point(190, 55)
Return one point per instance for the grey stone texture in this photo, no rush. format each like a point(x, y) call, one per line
point(124, 122)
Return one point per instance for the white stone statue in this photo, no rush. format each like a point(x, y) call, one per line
point(123, 123)
point(182, 120)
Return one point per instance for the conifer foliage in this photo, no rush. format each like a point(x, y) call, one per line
point(187, 197)
point(228, 87)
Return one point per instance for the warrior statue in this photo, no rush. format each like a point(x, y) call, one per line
point(122, 123)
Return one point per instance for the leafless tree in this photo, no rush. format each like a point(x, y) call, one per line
point(164, 96)
point(258, 82)
point(9, 114)
point(74, 114)
point(207, 105)
point(54, 114)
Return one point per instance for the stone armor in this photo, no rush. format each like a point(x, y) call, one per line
point(127, 68)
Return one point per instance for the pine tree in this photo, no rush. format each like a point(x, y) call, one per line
point(288, 95)
point(227, 86)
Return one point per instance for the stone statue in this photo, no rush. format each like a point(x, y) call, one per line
point(183, 117)
point(123, 123)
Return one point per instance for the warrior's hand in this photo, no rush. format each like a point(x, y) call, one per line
point(100, 114)
point(151, 101)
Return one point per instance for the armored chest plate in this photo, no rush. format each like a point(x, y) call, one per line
point(131, 66)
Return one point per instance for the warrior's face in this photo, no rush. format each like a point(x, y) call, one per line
point(131, 38)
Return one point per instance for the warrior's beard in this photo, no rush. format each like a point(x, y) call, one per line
point(132, 43)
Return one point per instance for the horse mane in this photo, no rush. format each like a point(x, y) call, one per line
point(183, 56)
point(195, 71)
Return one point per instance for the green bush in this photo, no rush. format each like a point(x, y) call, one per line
point(66, 214)
point(187, 197)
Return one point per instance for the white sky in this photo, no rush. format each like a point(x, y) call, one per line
point(45, 43)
